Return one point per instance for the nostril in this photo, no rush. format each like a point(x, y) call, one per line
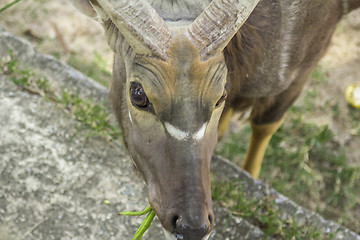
point(174, 221)
point(210, 217)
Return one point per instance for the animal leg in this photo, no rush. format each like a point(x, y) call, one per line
point(266, 118)
point(225, 121)
point(260, 138)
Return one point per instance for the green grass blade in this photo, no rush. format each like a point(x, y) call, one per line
point(9, 5)
point(144, 225)
point(145, 211)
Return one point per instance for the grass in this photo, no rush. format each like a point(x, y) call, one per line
point(314, 168)
point(354, 120)
point(93, 116)
point(95, 68)
point(3, 8)
point(305, 162)
point(24, 78)
point(262, 212)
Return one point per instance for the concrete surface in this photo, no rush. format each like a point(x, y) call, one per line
point(54, 178)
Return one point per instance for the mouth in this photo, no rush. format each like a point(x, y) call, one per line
point(170, 236)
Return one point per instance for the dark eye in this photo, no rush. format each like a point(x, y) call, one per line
point(138, 96)
point(222, 99)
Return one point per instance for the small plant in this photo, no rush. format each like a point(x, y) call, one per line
point(96, 69)
point(93, 116)
point(319, 75)
point(145, 224)
point(354, 120)
point(24, 78)
point(2, 9)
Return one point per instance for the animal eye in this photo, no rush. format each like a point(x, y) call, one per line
point(222, 99)
point(138, 96)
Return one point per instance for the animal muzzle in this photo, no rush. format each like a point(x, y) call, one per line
point(191, 224)
point(183, 202)
point(185, 209)
point(186, 215)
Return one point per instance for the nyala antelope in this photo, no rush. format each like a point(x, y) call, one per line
point(183, 67)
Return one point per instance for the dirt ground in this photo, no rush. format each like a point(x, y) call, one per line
point(342, 66)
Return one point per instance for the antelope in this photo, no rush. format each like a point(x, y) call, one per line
point(182, 68)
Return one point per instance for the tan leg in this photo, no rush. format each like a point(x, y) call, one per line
point(260, 138)
point(225, 121)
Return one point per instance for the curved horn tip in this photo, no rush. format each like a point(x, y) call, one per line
point(213, 29)
point(140, 24)
point(85, 7)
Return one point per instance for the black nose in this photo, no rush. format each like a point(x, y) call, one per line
point(193, 226)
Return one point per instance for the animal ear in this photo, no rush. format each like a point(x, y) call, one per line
point(85, 7)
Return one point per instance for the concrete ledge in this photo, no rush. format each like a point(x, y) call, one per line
point(61, 75)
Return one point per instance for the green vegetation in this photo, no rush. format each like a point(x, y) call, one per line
point(261, 212)
point(24, 78)
point(354, 121)
point(93, 116)
point(8, 5)
point(95, 69)
point(146, 222)
point(306, 162)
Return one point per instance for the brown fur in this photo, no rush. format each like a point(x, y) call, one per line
point(245, 52)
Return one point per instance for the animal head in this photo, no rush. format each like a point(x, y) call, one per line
point(168, 93)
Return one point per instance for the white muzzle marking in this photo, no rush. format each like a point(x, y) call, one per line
point(176, 132)
point(182, 135)
point(130, 117)
point(200, 133)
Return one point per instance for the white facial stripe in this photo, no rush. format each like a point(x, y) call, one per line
point(182, 135)
point(200, 133)
point(175, 132)
point(130, 117)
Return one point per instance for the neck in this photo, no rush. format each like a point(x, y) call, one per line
point(245, 49)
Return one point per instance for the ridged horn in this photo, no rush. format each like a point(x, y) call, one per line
point(213, 29)
point(139, 23)
point(85, 7)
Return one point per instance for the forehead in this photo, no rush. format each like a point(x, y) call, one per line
point(184, 86)
point(183, 70)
